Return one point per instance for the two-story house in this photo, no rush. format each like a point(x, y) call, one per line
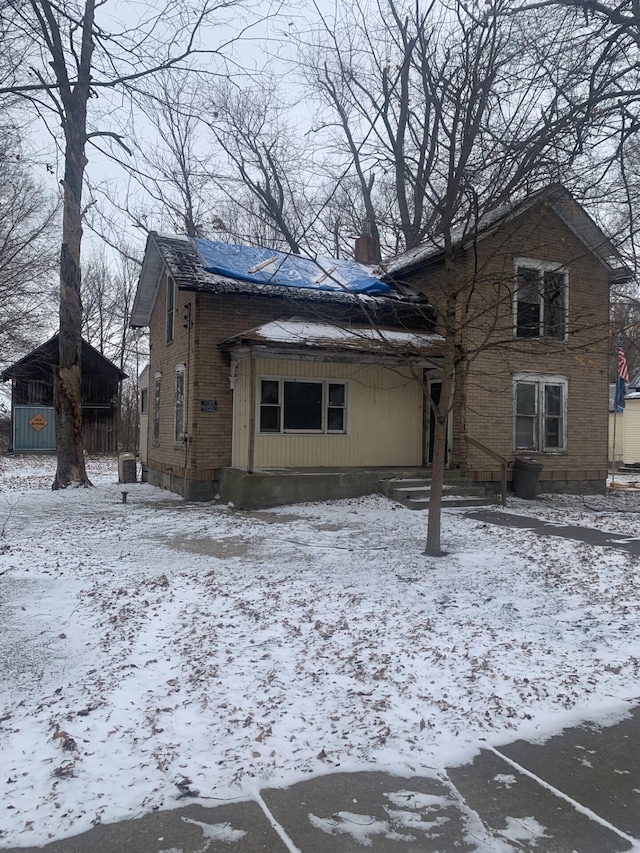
point(531, 285)
point(265, 365)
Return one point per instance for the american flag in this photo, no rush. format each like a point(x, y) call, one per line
point(623, 368)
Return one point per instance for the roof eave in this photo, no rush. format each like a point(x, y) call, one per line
point(242, 347)
point(591, 235)
point(148, 285)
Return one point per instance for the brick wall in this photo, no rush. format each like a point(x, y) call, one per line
point(485, 280)
point(215, 317)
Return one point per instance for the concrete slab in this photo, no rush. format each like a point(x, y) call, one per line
point(241, 827)
point(487, 805)
point(544, 528)
point(343, 812)
point(597, 766)
point(521, 811)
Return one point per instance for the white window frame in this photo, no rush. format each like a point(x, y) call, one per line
point(540, 380)
point(541, 267)
point(157, 402)
point(325, 383)
point(180, 411)
point(170, 319)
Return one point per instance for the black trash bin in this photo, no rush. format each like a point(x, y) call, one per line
point(526, 473)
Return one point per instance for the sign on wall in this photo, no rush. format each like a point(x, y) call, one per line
point(34, 428)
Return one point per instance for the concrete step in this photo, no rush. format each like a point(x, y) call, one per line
point(414, 492)
point(410, 491)
point(449, 501)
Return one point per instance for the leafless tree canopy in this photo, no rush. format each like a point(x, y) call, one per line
point(28, 256)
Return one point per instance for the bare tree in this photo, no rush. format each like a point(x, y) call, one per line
point(28, 220)
point(250, 127)
point(108, 288)
point(74, 57)
point(177, 169)
point(449, 111)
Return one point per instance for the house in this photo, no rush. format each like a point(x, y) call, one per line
point(532, 317)
point(143, 417)
point(624, 426)
point(32, 414)
point(275, 378)
point(262, 361)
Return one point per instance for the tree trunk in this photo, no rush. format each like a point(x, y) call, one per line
point(68, 383)
point(433, 545)
point(448, 325)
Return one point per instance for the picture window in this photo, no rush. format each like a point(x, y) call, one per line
point(299, 405)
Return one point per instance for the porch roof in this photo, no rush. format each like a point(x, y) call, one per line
point(300, 336)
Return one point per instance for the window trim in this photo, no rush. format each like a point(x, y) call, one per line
point(281, 380)
point(157, 403)
point(541, 380)
point(170, 310)
point(179, 435)
point(541, 267)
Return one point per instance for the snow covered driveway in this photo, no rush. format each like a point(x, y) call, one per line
point(157, 650)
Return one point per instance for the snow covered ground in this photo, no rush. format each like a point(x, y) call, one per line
point(157, 650)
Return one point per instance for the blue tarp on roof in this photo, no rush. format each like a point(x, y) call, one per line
point(266, 266)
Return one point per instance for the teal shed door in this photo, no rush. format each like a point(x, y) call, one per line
point(34, 428)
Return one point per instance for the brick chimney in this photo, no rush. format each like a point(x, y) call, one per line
point(367, 250)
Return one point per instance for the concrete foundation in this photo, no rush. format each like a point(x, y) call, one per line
point(191, 490)
point(265, 488)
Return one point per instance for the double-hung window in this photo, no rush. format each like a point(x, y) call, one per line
point(540, 413)
point(301, 405)
point(179, 433)
point(541, 300)
point(170, 305)
point(157, 392)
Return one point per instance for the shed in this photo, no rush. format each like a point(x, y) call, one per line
point(32, 413)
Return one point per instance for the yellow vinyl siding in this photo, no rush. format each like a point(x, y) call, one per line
point(384, 418)
point(627, 434)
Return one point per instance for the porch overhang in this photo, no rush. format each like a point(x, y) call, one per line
point(301, 340)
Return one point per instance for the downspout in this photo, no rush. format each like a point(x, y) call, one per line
point(187, 436)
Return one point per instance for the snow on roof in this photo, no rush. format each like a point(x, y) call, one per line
point(268, 266)
point(302, 333)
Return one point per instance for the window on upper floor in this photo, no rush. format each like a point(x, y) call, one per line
point(171, 304)
point(299, 405)
point(540, 309)
point(38, 391)
point(540, 413)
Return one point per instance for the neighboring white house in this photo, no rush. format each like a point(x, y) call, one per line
point(624, 427)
